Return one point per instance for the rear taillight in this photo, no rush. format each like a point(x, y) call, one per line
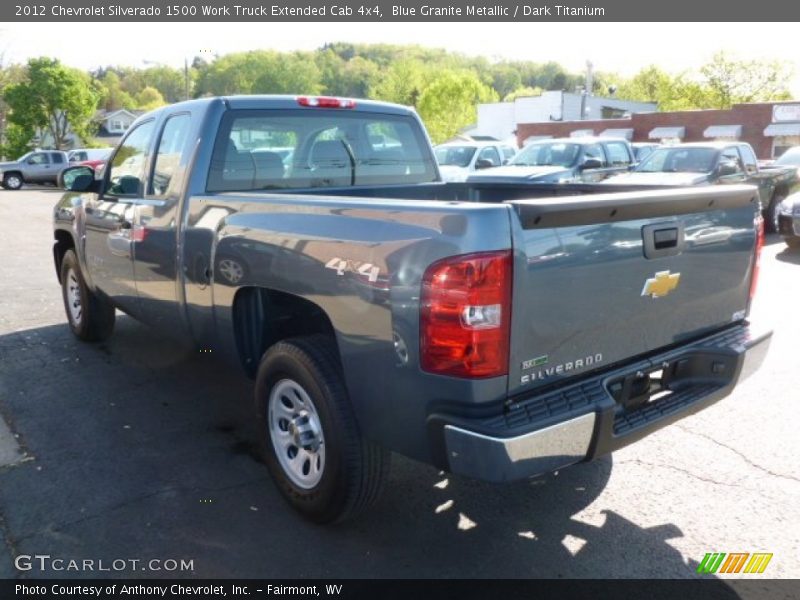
point(465, 315)
point(325, 102)
point(759, 223)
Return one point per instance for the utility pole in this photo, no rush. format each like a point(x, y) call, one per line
point(587, 88)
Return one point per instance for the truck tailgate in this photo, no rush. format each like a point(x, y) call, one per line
point(602, 279)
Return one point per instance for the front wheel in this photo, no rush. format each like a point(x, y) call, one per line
point(91, 317)
point(310, 439)
point(12, 181)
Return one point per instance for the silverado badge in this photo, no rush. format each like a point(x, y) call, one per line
point(661, 285)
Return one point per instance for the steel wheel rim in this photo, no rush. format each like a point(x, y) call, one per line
point(13, 181)
point(296, 433)
point(74, 303)
point(231, 270)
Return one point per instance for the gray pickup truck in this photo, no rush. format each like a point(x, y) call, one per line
point(497, 331)
point(40, 166)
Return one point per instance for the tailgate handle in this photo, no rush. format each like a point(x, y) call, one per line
point(663, 239)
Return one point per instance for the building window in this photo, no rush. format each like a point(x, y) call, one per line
point(782, 143)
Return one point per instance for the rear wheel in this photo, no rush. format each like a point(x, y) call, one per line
point(309, 436)
point(12, 181)
point(90, 316)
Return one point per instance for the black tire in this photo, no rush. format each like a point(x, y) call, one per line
point(354, 469)
point(771, 214)
point(95, 320)
point(12, 181)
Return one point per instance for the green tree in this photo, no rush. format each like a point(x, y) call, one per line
point(55, 100)
point(260, 71)
point(403, 82)
point(112, 96)
point(149, 98)
point(449, 103)
point(728, 81)
point(523, 92)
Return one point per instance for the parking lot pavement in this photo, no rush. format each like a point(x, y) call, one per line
point(140, 448)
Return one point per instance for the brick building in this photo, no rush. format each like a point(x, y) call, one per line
point(769, 127)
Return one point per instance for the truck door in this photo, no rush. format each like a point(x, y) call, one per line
point(110, 217)
point(37, 167)
point(155, 245)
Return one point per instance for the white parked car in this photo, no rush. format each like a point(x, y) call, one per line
point(458, 160)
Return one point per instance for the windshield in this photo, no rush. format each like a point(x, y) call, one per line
point(454, 156)
point(679, 160)
point(557, 154)
point(790, 157)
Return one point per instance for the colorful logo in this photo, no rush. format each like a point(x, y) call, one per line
point(735, 562)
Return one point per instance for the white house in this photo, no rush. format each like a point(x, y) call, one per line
point(499, 119)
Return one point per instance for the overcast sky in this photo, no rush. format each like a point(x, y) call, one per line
point(621, 47)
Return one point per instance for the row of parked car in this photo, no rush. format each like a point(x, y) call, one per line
point(45, 166)
point(616, 162)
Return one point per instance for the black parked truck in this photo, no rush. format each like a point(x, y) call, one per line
point(493, 330)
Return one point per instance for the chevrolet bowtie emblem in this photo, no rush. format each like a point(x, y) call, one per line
point(661, 285)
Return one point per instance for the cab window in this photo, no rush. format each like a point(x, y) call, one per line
point(126, 169)
point(618, 155)
point(40, 158)
point(491, 154)
point(732, 155)
point(595, 151)
point(750, 161)
point(168, 155)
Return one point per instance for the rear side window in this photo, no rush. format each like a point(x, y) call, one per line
point(595, 151)
point(750, 162)
point(57, 158)
point(168, 155)
point(732, 155)
point(126, 172)
point(618, 155)
point(490, 153)
point(283, 149)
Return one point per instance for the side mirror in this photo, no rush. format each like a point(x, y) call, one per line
point(77, 179)
point(591, 163)
point(727, 167)
point(483, 163)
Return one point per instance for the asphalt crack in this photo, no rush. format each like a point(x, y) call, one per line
point(685, 472)
point(739, 454)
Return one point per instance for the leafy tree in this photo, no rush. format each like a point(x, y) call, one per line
point(112, 96)
point(149, 98)
point(449, 103)
point(403, 82)
point(729, 81)
point(55, 100)
point(505, 79)
point(523, 92)
point(260, 71)
point(295, 73)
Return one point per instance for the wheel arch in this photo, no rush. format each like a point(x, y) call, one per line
point(63, 242)
point(264, 316)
